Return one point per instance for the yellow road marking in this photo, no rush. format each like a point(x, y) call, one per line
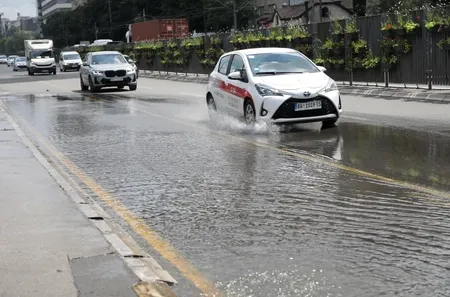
point(152, 237)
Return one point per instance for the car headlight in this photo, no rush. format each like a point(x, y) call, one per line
point(331, 86)
point(267, 91)
point(97, 72)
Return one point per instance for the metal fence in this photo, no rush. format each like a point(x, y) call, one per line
point(425, 63)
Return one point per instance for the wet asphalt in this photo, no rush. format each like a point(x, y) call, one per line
point(264, 211)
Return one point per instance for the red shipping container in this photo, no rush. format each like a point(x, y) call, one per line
point(160, 29)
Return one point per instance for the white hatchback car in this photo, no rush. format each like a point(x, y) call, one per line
point(277, 85)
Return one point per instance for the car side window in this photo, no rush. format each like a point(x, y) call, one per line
point(223, 65)
point(86, 58)
point(237, 64)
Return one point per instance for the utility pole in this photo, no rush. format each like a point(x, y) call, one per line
point(320, 10)
point(1, 24)
point(110, 19)
point(143, 14)
point(96, 31)
point(234, 15)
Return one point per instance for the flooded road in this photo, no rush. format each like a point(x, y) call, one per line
point(266, 212)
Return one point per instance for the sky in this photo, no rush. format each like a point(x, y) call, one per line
point(10, 8)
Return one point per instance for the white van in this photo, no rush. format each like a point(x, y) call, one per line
point(69, 61)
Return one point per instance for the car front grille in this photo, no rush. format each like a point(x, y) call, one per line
point(287, 109)
point(112, 73)
point(121, 73)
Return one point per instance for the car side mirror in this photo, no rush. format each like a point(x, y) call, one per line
point(235, 75)
point(131, 61)
point(85, 64)
point(321, 68)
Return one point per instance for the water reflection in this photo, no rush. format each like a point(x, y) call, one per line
point(415, 156)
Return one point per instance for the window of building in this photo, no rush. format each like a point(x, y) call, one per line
point(325, 12)
point(296, 2)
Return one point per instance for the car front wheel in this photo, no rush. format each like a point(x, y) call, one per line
point(249, 112)
point(329, 123)
point(92, 88)
point(83, 87)
point(133, 87)
point(212, 109)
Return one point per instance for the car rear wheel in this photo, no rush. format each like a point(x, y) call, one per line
point(249, 112)
point(212, 109)
point(133, 87)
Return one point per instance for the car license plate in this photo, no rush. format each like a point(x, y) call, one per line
point(316, 104)
point(116, 79)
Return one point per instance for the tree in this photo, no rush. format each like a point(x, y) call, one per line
point(14, 42)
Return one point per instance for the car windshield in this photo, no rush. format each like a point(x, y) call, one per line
point(12, 57)
point(280, 63)
point(21, 59)
point(71, 57)
point(108, 59)
point(2, 57)
point(42, 54)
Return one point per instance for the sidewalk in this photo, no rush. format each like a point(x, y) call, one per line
point(48, 247)
point(440, 94)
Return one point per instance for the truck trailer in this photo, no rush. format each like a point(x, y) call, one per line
point(40, 56)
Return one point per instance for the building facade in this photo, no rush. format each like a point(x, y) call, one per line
point(46, 8)
point(273, 13)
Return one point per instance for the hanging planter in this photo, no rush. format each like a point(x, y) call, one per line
point(338, 51)
point(387, 32)
point(386, 65)
point(400, 32)
point(337, 37)
point(296, 41)
point(306, 39)
point(352, 36)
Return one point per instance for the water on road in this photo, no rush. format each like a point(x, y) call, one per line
point(266, 212)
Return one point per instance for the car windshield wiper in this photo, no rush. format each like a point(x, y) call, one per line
point(276, 72)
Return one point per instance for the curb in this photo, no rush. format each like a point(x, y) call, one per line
point(435, 96)
point(145, 267)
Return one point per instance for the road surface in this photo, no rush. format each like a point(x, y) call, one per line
point(357, 210)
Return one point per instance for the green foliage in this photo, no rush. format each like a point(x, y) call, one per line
point(370, 61)
point(351, 26)
point(336, 27)
point(358, 45)
point(443, 42)
point(13, 44)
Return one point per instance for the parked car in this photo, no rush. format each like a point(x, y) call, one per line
point(11, 60)
point(3, 59)
point(132, 63)
point(106, 69)
point(278, 85)
point(20, 63)
point(69, 61)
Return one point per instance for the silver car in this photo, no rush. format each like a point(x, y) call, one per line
point(106, 69)
point(20, 63)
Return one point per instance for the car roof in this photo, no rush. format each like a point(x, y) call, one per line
point(70, 52)
point(105, 53)
point(263, 50)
